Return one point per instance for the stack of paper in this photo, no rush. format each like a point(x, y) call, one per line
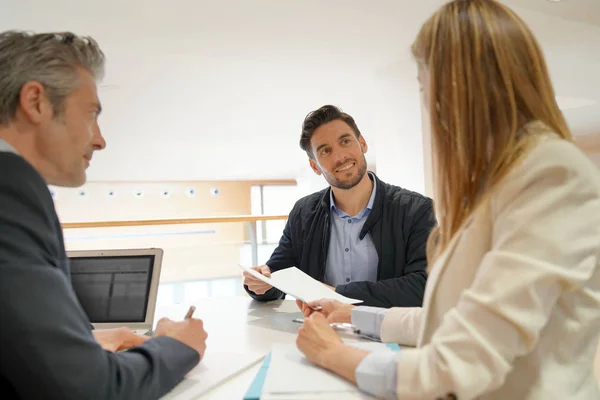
point(290, 374)
point(300, 285)
point(212, 371)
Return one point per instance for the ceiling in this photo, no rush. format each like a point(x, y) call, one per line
point(199, 89)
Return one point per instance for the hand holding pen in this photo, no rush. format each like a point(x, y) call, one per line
point(190, 331)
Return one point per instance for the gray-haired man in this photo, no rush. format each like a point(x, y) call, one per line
point(49, 131)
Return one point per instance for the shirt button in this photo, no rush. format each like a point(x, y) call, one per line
point(349, 221)
point(347, 249)
point(347, 279)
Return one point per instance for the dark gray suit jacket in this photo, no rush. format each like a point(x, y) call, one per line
point(47, 350)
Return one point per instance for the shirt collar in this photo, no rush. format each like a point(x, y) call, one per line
point(4, 146)
point(369, 206)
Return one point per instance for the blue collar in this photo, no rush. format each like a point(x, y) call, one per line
point(4, 146)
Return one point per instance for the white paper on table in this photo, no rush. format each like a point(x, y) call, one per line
point(290, 372)
point(215, 368)
point(317, 396)
point(300, 285)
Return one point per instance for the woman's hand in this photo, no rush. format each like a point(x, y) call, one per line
point(317, 340)
point(333, 310)
point(323, 347)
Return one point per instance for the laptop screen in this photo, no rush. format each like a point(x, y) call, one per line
point(113, 288)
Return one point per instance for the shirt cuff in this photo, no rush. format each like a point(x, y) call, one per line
point(376, 374)
point(369, 320)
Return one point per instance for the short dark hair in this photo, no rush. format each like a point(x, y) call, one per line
point(320, 117)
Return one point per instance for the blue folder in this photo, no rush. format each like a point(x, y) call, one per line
point(255, 389)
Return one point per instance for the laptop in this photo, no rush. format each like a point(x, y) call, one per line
point(117, 287)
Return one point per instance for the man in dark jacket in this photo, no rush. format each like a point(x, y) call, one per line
point(362, 237)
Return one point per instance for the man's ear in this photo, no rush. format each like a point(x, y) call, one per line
point(363, 144)
point(314, 166)
point(33, 102)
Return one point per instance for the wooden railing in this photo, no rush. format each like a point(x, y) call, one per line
point(251, 220)
point(181, 221)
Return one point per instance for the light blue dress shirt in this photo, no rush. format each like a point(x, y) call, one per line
point(350, 259)
point(376, 374)
point(7, 147)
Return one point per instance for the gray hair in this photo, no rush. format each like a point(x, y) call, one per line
point(49, 58)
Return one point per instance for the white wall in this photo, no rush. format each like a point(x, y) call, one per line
point(200, 90)
point(399, 144)
point(216, 90)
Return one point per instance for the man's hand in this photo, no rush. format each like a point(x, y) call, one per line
point(190, 331)
point(118, 339)
point(254, 284)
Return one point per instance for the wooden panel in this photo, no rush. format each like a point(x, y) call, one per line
point(290, 182)
point(96, 203)
point(589, 143)
point(195, 247)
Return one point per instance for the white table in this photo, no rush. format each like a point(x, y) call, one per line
point(240, 324)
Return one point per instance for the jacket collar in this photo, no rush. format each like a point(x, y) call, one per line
point(436, 270)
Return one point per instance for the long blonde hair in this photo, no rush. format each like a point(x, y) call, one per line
point(488, 79)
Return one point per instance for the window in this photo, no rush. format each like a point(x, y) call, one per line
point(272, 200)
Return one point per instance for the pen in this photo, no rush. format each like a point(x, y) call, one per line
point(190, 312)
point(343, 326)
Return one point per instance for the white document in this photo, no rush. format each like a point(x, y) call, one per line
point(300, 285)
point(291, 373)
point(211, 372)
point(318, 396)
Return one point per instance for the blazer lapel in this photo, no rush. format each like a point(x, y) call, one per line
point(435, 274)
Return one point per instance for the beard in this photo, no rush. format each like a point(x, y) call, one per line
point(352, 180)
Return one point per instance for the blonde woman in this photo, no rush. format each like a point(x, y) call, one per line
point(512, 303)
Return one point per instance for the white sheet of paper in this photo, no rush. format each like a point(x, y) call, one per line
point(317, 396)
point(290, 372)
point(300, 285)
point(212, 370)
